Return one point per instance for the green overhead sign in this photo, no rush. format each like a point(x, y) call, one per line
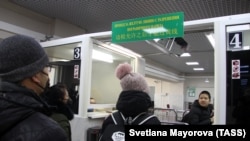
point(147, 28)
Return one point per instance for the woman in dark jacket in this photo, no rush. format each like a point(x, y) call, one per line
point(58, 97)
point(134, 98)
point(201, 112)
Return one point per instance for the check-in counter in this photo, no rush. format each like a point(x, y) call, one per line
point(100, 110)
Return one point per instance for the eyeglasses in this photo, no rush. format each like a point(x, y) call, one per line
point(44, 73)
point(49, 68)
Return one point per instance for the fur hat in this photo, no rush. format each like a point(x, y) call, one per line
point(129, 80)
point(21, 57)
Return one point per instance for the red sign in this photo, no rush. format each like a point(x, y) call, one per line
point(235, 69)
point(76, 71)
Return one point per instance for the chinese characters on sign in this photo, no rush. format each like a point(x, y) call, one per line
point(161, 26)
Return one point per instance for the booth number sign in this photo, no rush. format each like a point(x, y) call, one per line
point(77, 53)
point(234, 41)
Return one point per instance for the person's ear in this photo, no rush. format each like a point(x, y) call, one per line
point(35, 78)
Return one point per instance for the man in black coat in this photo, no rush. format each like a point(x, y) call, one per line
point(23, 78)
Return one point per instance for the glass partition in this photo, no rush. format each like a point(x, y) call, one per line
point(62, 62)
point(105, 87)
point(238, 74)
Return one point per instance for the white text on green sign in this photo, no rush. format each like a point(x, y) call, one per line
point(161, 26)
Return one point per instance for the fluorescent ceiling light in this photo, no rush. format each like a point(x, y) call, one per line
point(122, 50)
point(192, 63)
point(156, 40)
point(198, 69)
point(206, 80)
point(210, 38)
point(58, 59)
point(155, 30)
point(185, 54)
point(238, 28)
point(97, 55)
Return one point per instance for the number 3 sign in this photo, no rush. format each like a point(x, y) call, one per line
point(77, 53)
point(235, 41)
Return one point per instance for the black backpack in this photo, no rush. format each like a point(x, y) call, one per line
point(116, 132)
point(186, 118)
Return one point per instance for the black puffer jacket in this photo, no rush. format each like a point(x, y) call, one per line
point(199, 115)
point(130, 104)
point(23, 116)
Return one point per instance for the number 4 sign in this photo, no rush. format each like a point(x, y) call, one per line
point(234, 41)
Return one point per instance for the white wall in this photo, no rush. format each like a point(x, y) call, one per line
point(167, 93)
point(65, 29)
point(246, 37)
point(30, 20)
point(23, 18)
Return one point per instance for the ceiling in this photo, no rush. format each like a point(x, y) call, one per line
point(98, 15)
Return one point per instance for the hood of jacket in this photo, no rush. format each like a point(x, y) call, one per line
point(196, 103)
point(131, 103)
point(17, 103)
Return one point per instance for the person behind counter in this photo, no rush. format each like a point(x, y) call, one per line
point(92, 100)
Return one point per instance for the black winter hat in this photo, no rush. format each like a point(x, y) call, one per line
point(21, 57)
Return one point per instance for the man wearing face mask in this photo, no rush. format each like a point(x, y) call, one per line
point(58, 97)
point(23, 78)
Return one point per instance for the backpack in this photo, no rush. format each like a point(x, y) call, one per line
point(116, 131)
point(186, 117)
